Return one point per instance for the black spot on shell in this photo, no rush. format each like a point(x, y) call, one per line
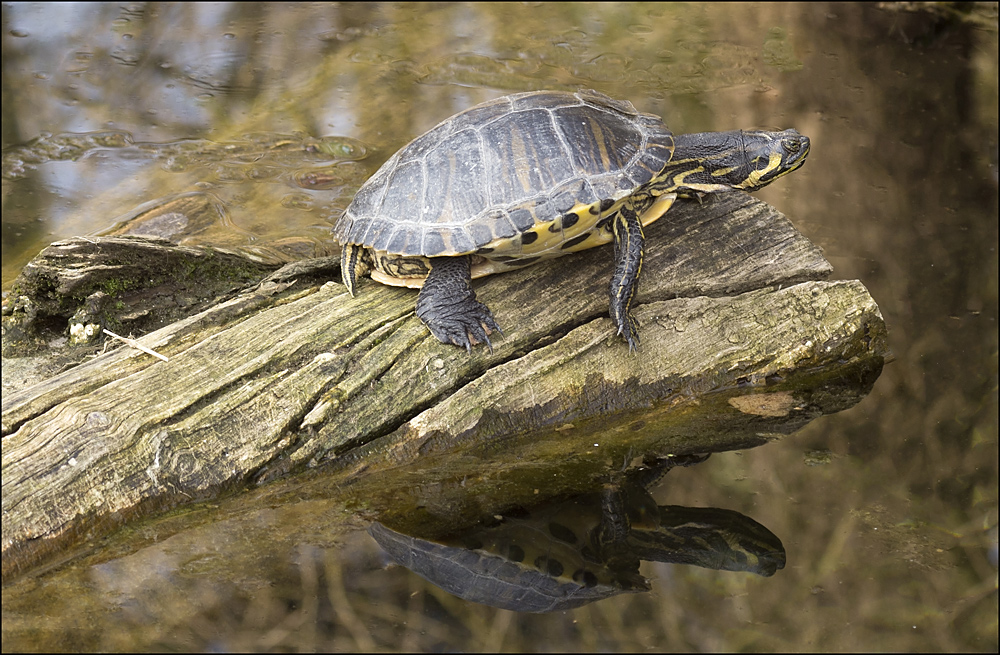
point(484, 251)
point(569, 220)
point(515, 553)
point(555, 567)
point(585, 578)
point(575, 241)
point(529, 237)
point(607, 204)
point(562, 533)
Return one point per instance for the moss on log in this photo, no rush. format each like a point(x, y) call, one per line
point(741, 341)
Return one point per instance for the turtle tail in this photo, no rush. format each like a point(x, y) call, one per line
point(352, 265)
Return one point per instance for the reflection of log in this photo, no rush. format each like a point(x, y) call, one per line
point(739, 342)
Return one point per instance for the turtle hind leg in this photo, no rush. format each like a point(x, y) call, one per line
point(448, 307)
point(628, 238)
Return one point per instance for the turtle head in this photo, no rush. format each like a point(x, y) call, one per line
point(741, 159)
point(769, 155)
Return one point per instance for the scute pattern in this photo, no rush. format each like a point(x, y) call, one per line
point(457, 181)
point(517, 165)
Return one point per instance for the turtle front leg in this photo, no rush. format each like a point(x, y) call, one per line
point(448, 307)
point(627, 231)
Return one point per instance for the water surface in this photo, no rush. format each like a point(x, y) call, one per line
point(888, 511)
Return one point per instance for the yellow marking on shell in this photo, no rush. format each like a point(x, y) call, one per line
point(392, 281)
point(534, 537)
point(596, 238)
point(595, 127)
point(519, 149)
point(481, 267)
point(582, 209)
point(548, 244)
point(491, 266)
point(548, 240)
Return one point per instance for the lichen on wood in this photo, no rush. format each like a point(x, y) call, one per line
point(287, 379)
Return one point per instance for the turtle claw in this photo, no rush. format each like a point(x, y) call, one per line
point(628, 328)
point(468, 326)
point(448, 307)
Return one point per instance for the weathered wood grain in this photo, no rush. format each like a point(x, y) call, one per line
point(277, 381)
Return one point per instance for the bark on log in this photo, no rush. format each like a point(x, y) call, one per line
point(125, 283)
point(740, 342)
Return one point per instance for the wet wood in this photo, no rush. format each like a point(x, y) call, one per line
point(284, 378)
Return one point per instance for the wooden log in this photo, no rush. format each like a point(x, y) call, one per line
point(740, 341)
point(125, 283)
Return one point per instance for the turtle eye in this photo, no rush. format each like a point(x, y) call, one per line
point(792, 146)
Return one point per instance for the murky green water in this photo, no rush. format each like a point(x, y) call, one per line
point(276, 113)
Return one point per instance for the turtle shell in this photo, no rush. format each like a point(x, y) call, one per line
point(523, 176)
point(561, 555)
point(549, 561)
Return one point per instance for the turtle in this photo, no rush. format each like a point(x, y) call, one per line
point(532, 176)
point(543, 562)
point(585, 548)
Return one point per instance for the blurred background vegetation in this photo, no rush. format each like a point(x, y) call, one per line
point(278, 112)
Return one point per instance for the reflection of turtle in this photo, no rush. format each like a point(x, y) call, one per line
point(533, 176)
point(563, 555)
